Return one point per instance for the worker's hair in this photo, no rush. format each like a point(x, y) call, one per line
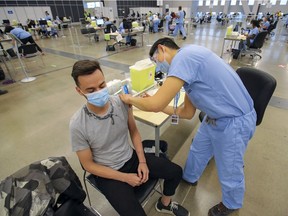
point(168, 42)
point(84, 67)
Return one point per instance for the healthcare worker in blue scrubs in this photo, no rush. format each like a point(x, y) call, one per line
point(180, 23)
point(212, 86)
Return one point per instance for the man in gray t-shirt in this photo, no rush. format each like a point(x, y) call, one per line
point(99, 136)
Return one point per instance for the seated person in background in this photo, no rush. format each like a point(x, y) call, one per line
point(265, 25)
point(58, 22)
point(31, 23)
point(125, 27)
point(99, 136)
point(107, 21)
point(251, 35)
point(22, 35)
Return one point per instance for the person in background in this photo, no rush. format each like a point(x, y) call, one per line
point(180, 23)
point(99, 136)
point(122, 30)
point(265, 25)
point(243, 45)
point(168, 19)
point(47, 16)
point(213, 87)
point(22, 35)
point(156, 22)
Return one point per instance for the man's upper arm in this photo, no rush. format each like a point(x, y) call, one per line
point(85, 157)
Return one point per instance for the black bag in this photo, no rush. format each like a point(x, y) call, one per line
point(2, 74)
point(236, 53)
point(11, 52)
point(96, 37)
point(110, 48)
point(133, 42)
point(73, 208)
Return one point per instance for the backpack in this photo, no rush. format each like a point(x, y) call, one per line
point(133, 42)
point(110, 48)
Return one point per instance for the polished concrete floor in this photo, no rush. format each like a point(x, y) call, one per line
point(34, 118)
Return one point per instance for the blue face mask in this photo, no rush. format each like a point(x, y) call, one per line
point(163, 66)
point(98, 98)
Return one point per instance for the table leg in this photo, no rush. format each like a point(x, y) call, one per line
point(222, 48)
point(157, 141)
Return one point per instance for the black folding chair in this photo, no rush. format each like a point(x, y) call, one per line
point(260, 86)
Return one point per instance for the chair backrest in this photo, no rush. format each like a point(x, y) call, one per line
point(113, 28)
point(259, 40)
point(107, 29)
point(260, 86)
point(275, 24)
point(84, 31)
point(15, 38)
point(91, 30)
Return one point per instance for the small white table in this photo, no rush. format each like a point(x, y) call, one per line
point(156, 120)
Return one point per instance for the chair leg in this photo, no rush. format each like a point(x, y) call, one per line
point(85, 185)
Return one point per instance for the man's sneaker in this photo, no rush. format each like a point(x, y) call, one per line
point(220, 210)
point(173, 208)
point(184, 38)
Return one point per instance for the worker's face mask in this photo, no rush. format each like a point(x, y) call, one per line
point(98, 98)
point(163, 66)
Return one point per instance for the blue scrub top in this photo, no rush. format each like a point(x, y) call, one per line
point(211, 84)
point(180, 20)
point(20, 33)
point(254, 31)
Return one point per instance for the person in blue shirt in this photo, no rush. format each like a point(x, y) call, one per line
point(253, 32)
point(251, 35)
point(212, 86)
point(167, 22)
point(180, 23)
point(156, 22)
point(22, 35)
point(47, 16)
point(122, 30)
point(265, 24)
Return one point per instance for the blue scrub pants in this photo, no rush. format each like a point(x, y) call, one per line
point(227, 142)
point(179, 26)
point(167, 27)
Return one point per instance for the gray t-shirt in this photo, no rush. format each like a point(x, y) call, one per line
point(105, 135)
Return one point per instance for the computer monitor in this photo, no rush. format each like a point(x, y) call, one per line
point(6, 21)
point(42, 22)
point(100, 22)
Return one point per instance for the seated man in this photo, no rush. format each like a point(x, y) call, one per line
point(99, 136)
point(265, 24)
point(22, 35)
point(251, 36)
point(124, 27)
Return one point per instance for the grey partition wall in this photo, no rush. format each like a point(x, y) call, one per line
point(61, 8)
point(124, 5)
